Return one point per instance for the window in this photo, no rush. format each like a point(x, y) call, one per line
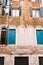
point(21, 61)
point(41, 11)
point(16, 12)
point(3, 36)
point(9, 2)
point(42, 1)
point(6, 2)
point(6, 10)
point(1, 60)
point(11, 36)
point(40, 60)
point(39, 36)
point(34, 13)
point(3, 12)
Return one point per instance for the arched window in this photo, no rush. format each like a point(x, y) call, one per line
point(3, 35)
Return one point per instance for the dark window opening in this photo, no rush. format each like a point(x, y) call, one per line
point(4, 36)
point(3, 12)
point(1, 60)
point(40, 60)
point(21, 61)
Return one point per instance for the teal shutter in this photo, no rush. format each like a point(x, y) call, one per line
point(4, 2)
point(31, 11)
point(12, 36)
point(41, 11)
point(20, 11)
point(39, 35)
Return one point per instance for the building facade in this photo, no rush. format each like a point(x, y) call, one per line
point(21, 32)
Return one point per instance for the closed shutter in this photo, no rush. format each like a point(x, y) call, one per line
point(39, 34)
point(3, 11)
point(4, 2)
point(41, 11)
point(10, 9)
point(31, 11)
point(20, 11)
point(11, 36)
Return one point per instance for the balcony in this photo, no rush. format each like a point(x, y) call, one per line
point(36, 5)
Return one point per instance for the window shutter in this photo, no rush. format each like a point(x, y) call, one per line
point(31, 11)
point(4, 2)
point(2, 11)
point(41, 11)
point(20, 11)
point(10, 8)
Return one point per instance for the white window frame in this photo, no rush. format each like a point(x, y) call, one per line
point(16, 12)
point(35, 13)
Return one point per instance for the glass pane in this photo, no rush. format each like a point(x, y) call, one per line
point(34, 13)
point(17, 13)
point(13, 13)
